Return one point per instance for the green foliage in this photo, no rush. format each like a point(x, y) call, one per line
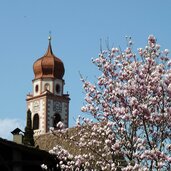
point(28, 135)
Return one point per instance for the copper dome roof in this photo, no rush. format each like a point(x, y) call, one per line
point(49, 66)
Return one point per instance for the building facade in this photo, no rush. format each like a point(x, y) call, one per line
point(18, 157)
point(48, 103)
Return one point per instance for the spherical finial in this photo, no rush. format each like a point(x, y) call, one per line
point(49, 37)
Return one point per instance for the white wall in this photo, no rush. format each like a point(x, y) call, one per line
point(36, 82)
point(51, 112)
point(40, 110)
point(61, 84)
point(52, 86)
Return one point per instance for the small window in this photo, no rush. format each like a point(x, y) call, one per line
point(37, 88)
point(57, 88)
point(36, 121)
point(47, 86)
point(56, 119)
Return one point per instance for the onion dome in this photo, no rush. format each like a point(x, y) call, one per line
point(49, 66)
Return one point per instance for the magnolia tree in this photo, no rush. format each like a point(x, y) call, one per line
point(131, 108)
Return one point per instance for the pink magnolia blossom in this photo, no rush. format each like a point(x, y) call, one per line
point(131, 110)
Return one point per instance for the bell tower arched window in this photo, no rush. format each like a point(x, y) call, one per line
point(57, 88)
point(36, 88)
point(36, 121)
point(56, 119)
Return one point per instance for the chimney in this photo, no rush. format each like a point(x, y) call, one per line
point(17, 136)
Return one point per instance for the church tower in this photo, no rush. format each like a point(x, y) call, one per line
point(48, 103)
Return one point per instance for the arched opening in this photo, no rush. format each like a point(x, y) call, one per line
point(36, 121)
point(56, 119)
point(57, 88)
point(37, 88)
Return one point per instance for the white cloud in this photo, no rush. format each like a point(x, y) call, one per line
point(7, 125)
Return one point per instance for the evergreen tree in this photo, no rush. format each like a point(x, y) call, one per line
point(28, 135)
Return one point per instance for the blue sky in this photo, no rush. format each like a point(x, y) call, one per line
point(76, 27)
